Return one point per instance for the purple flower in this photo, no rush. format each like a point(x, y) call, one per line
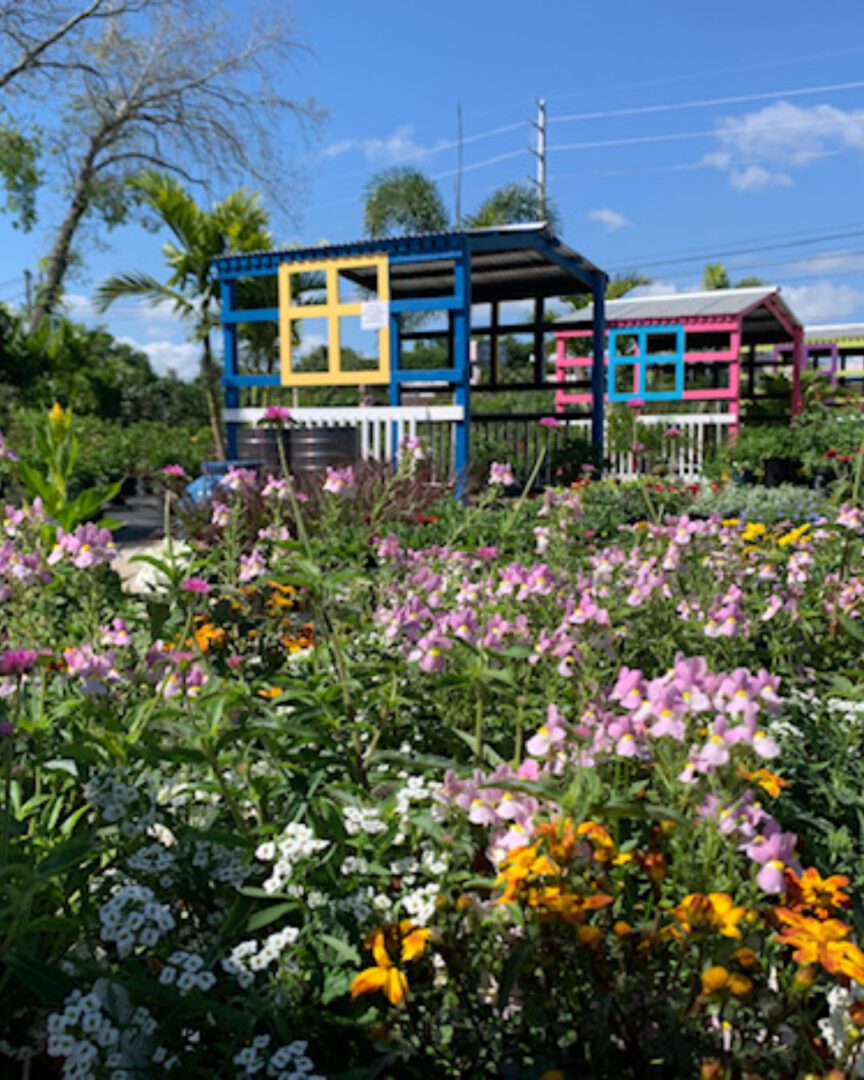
point(87, 546)
point(176, 471)
point(771, 878)
point(672, 433)
point(412, 448)
point(5, 453)
point(501, 474)
point(279, 414)
point(339, 481)
point(17, 661)
point(549, 736)
point(196, 585)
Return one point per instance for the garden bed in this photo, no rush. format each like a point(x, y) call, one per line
point(373, 785)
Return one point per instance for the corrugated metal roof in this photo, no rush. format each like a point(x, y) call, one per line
point(834, 331)
point(711, 302)
point(507, 263)
point(759, 323)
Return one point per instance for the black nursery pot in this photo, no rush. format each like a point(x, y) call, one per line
point(780, 470)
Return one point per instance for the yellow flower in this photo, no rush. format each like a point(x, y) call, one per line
point(770, 782)
point(717, 911)
point(740, 985)
point(57, 415)
point(270, 692)
point(730, 523)
point(753, 530)
point(745, 957)
point(794, 535)
point(385, 975)
point(715, 979)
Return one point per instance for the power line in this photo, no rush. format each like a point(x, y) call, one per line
point(739, 99)
point(636, 140)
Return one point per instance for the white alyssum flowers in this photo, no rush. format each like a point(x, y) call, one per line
point(363, 819)
point(296, 843)
point(289, 1062)
point(185, 970)
point(248, 958)
point(134, 917)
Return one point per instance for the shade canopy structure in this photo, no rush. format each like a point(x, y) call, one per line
point(836, 350)
point(398, 280)
point(696, 345)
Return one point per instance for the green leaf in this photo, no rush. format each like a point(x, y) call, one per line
point(514, 964)
point(270, 915)
point(66, 856)
point(342, 948)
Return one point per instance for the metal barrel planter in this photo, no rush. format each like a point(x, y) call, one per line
point(261, 445)
point(311, 450)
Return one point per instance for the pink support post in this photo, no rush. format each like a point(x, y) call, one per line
point(797, 364)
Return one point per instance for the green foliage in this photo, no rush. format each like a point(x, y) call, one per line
point(402, 201)
point(753, 502)
point(20, 173)
point(57, 454)
point(510, 205)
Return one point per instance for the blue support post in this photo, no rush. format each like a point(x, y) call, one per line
point(395, 390)
point(598, 382)
point(229, 360)
point(462, 364)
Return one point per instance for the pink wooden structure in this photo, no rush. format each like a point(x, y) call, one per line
point(717, 334)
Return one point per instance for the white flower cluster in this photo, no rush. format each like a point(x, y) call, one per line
point(119, 802)
point(223, 864)
point(133, 916)
point(296, 843)
point(185, 970)
point(91, 1044)
point(287, 1063)
point(363, 819)
point(354, 864)
point(153, 859)
point(247, 958)
point(851, 710)
point(415, 790)
point(420, 904)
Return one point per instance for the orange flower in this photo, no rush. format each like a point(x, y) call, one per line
point(819, 941)
point(716, 911)
point(822, 895)
point(385, 975)
point(714, 980)
point(770, 782)
point(601, 841)
point(208, 634)
point(270, 692)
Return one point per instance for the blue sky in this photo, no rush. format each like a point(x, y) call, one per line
point(669, 171)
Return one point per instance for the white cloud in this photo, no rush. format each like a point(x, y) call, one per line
point(611, 220)
point(656, 288)
point(755, 177)
point(398, 147)
point(831, 262)
point(181, 357)
point(758, 150)
point(824, 302)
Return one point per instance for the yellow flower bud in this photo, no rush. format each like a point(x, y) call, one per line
point(715, 979)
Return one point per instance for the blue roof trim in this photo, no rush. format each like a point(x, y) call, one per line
point(431, 244)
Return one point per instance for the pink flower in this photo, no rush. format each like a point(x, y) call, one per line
point(635, 403)
point(765, 746)
point(279, 414)
point(412, 448)
point(196, 585)
point(17, 661)
point(549, 421)
point(549, 736)
point(87, 546)
point(501, 474)
point(339, 481)
point(5, 453)
point(771, 878)
point(176, 471)
point(672, 433)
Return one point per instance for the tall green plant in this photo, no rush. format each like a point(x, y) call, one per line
point(236, 223)
point(58, 450)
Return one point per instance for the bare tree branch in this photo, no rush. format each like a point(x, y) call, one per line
point(183, 95)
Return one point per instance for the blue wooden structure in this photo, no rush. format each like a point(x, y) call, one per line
point(440, 272)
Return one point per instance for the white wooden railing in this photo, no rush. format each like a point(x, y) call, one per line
point(381, 428)
point(519, 437)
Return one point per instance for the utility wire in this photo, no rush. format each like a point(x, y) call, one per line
point(703, 103)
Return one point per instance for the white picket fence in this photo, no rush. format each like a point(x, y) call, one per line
point(383, 427)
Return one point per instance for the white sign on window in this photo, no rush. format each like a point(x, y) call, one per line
point(374, 315)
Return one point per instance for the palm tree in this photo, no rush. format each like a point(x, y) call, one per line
point(404, 201)
point(715, 276)
point(511, 204)
point(237, 223)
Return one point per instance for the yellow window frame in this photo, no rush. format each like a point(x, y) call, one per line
point(331, 310)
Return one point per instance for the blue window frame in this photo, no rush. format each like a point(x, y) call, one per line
point(643, 361)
